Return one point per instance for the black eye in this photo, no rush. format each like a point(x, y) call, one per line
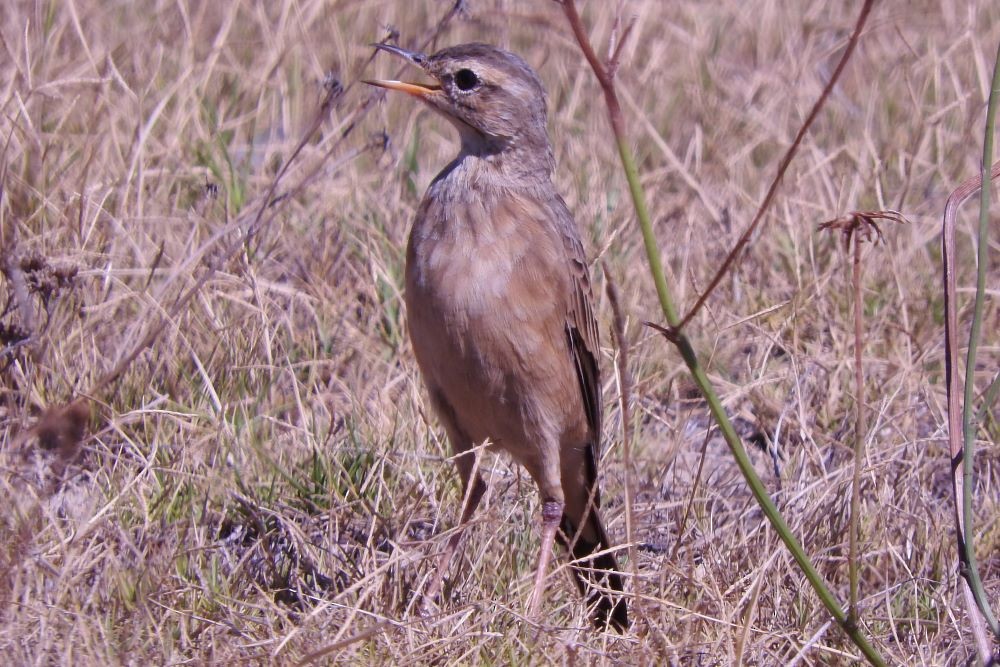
point(466, 79)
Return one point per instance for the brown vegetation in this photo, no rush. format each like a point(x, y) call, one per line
point(263, 483)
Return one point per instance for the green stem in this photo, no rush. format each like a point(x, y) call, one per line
point(648, 238)
point(969, 426)
point(605, 78)
point(722, 419)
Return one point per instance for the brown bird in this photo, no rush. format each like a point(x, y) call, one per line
point(500, 310)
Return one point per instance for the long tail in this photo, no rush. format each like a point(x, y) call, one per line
point(598, 578)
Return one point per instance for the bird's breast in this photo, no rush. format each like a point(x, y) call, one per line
point(485, 284)
point(469, 252)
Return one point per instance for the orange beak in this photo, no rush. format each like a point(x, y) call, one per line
point(419, 90)
point(415, 89)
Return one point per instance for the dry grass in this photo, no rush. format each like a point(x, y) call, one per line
point(265, 481)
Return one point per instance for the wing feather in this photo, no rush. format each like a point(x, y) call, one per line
point(581, 325)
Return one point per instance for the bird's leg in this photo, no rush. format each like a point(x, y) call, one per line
point(552, 512)
point(474, 488)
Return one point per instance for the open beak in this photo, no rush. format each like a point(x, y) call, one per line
point(419, 90)
point(415, 89)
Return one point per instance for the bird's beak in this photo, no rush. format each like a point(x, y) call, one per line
point(420, 90)
point(415, 89)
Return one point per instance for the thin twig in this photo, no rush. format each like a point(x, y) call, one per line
point(679, 339)
point(252, 229)
point(616, 43)
point(969, 425)
point(625, 397)
point(783, 166)
point(325, 651)
point(695, 486)
point(961, 431)
point(858, 226)
point(250, 224)
point(860, 431)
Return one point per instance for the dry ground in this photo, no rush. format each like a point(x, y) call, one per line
point(265, 481)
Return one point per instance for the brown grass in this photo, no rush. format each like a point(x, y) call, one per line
point(266, 482)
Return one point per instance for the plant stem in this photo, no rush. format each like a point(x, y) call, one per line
point(860, 428)
point(683, 345)
point(969, 425)
point(956, 446)
point(625, 394)
point(783, 166)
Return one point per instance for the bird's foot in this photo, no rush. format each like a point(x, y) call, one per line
point(552, 512)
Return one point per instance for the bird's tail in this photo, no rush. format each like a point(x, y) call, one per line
point(597, 577)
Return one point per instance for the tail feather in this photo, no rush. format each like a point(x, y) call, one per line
point(597, 577)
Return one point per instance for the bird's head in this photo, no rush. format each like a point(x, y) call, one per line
point(492, 96)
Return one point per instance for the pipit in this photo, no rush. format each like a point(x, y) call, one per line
point(500, 310)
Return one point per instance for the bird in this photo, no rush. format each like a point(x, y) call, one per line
point(500, 311)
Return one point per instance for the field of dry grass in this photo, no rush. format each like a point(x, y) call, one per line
point(266, 481)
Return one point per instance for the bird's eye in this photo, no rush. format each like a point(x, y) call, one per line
point(466, 79)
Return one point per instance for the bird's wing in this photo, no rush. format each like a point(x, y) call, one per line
point(581, 325)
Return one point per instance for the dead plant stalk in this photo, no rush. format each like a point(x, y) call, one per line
point(857, 227)
point(605, 74)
